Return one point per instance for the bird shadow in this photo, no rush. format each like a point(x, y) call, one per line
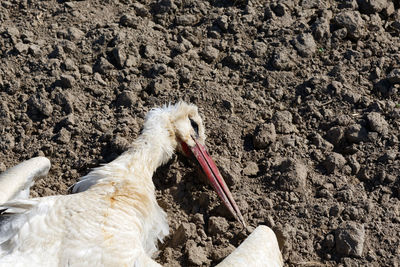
point(182, 179)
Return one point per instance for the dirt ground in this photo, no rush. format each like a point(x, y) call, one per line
point(300, 98)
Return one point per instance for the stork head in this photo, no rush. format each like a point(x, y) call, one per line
point(186, 128)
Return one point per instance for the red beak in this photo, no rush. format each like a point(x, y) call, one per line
point(216, 180)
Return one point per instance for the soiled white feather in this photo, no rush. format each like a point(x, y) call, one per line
point(112, 220)
point(260, 249)
point(16, 181)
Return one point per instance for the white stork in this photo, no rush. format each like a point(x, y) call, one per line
point(113, 218)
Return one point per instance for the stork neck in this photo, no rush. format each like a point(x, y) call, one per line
point(153, 148)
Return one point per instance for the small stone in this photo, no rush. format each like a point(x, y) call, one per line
point(13, 32)
point(217, 225)
point(264, 136)
point(356, 133)
point(210, 54)
point(305, 44)
point(251, 169)
point(67, 81)
point(74, 34)
point(334, 162)
point(126, 99)
point(378, 123)
point(350, 237)
point(394, 76)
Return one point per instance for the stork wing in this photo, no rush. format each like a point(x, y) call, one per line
point(16, 181)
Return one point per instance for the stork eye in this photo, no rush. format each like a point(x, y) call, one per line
point(195, 126)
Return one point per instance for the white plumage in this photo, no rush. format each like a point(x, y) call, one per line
point(113, 218)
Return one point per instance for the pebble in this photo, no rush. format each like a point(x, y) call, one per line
point(334, 162)
point(378, 123)
point(350, 237)
point(119, 144)
point(140, 10)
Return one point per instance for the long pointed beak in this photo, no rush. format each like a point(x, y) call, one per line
point(216, 180)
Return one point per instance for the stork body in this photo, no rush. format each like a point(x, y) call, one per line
point(113, 218)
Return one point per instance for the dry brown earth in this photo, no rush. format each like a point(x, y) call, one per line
point(300, 99)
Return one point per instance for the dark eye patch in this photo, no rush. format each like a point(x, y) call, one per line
point(195, 126)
